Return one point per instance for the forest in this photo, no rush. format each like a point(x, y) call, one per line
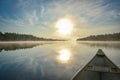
point(104, 37)
point(22, 37)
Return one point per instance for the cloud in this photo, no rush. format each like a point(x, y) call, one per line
point(32, 18)
point(39, 16)
point(26, 4)
point(42, 9)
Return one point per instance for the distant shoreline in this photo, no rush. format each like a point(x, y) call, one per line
point(52, 41)
point(95, 41)
point(26, 41)
point(100, 41)
point(23, 37)
point(103, 37)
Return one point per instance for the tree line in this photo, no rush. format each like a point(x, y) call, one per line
point(22, 37)
point(105, 37)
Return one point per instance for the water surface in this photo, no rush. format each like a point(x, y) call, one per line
point(50, 60)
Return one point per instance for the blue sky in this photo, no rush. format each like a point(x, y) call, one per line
point(38, 17)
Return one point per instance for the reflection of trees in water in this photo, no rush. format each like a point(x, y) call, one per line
point(102, 44)
point(15, 46)
point(20, 45)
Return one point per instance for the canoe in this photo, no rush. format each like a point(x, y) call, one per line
point(99, 68)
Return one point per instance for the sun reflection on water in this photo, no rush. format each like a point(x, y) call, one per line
point(64, 55)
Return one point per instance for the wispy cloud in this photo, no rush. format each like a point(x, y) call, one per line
point(39, 16)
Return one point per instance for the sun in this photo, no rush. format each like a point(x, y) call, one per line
point(64, 26)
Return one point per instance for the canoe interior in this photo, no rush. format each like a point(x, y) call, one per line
point(99, 68)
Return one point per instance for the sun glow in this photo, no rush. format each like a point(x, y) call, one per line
point(64, 55)
point(64, 26)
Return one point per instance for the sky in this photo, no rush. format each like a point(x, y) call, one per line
point(39, 17)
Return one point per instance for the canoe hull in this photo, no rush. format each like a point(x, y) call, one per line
point(99, 68)
point(89, 75)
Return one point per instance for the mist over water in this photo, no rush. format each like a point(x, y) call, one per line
point(50, 60)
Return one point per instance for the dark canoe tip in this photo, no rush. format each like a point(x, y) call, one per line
point(100, 52)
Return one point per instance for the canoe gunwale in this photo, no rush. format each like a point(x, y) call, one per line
point(102, 55)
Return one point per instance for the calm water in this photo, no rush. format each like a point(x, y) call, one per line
point(50, 60)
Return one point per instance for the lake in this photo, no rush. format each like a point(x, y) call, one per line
point(50, 60)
